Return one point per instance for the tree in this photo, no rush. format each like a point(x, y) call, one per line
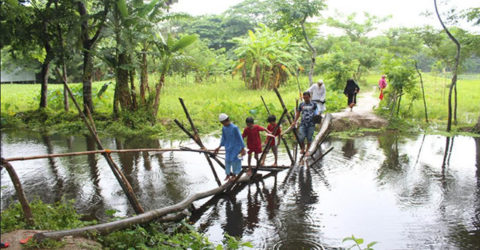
point(455, 69)
point(266, 57)
point(406, 42)
point(401, 75)
point(365, 50)
point(167, 48)
point(90, 23)
point(294, 14)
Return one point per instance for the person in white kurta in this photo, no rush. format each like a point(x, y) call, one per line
point(317, 90)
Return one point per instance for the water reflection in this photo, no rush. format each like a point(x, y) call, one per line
point(349, 149)
point(405, 192)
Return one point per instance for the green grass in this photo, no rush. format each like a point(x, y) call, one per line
point(436, 93)
point(203, 100)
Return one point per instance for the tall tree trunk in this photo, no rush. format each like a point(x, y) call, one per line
point(423, 92)
point(312, 49)
point(455, 68)
point(477, 126)
point(122, 90)
point(44, 89)
point(87, 79)
point(63, 76)
point(144, 75)
point(133, 90)
point(158, 90)
point(66, 105)
point(88, 45)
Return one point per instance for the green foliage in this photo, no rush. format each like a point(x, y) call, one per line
point(158, 236)
point(266, 58)
point(358, 242)
point(401, 76)
point(58, 216)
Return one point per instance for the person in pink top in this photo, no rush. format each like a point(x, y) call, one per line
point(382, 83)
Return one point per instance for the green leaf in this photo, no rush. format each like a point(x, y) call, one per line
point(184, 42)
point(359, 241)
point(122, 8)
point(371, 244)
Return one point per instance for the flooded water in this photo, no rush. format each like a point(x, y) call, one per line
point(420, 192)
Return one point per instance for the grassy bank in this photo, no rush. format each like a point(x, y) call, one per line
point(204, 101)
point(436, 93)
point(19, 103)
point(62, 216)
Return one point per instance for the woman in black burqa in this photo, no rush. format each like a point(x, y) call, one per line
point(351, 91)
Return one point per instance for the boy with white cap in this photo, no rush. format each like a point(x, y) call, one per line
point(233, 142)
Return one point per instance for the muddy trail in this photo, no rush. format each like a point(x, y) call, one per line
point(362, 115)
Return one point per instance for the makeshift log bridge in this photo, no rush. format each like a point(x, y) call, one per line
point(177, 211)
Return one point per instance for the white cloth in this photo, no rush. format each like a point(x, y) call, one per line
point(318, 96)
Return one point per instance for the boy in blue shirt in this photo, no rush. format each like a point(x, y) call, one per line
point(233, 142)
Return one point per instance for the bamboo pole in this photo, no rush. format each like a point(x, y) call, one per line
point(198, 140)
point(191, 136)
point(206, 156)
point(109, 151)
point(267, 147)
point(122, 180)
point(290, 119)
point(321, 156)
point(110, 227)
point(281, 137)
point(27, 212)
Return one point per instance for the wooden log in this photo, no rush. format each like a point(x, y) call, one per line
point(198, 140)
point(146, 217)
point(122, 180)
point(24, 158)
point(321, 156)
point(290, 119)
point(283, 139)
point(321, 134)
point(27, 212)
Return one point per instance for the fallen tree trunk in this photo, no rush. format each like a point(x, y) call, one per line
point(321, 134)
point(110, 227)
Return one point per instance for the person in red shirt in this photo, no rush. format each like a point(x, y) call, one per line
point(254, 143)
point(276, 137)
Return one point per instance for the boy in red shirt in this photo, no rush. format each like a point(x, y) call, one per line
point(254, 143)
point(276, 137)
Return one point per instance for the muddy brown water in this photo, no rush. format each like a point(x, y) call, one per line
point(417, 192)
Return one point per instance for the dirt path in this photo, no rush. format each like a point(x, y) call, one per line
point(70, 243)
point(362, 115)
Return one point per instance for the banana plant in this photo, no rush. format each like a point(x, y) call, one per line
point(266, 57)
point(166, 49)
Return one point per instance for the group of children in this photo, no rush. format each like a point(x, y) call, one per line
point(234, 145)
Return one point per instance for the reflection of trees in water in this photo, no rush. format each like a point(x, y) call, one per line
point(273, 201)
point(176, 185)
point(349, 149)
point(59, 185)
point(394, 162)
point(253, 207)
point(464, 236)
point(234, 218)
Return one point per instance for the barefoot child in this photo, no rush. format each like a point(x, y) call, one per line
point(233, 143)
point(254, 143)
point(276, 137)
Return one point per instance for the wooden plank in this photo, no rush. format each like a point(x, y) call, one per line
point(321, 134)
